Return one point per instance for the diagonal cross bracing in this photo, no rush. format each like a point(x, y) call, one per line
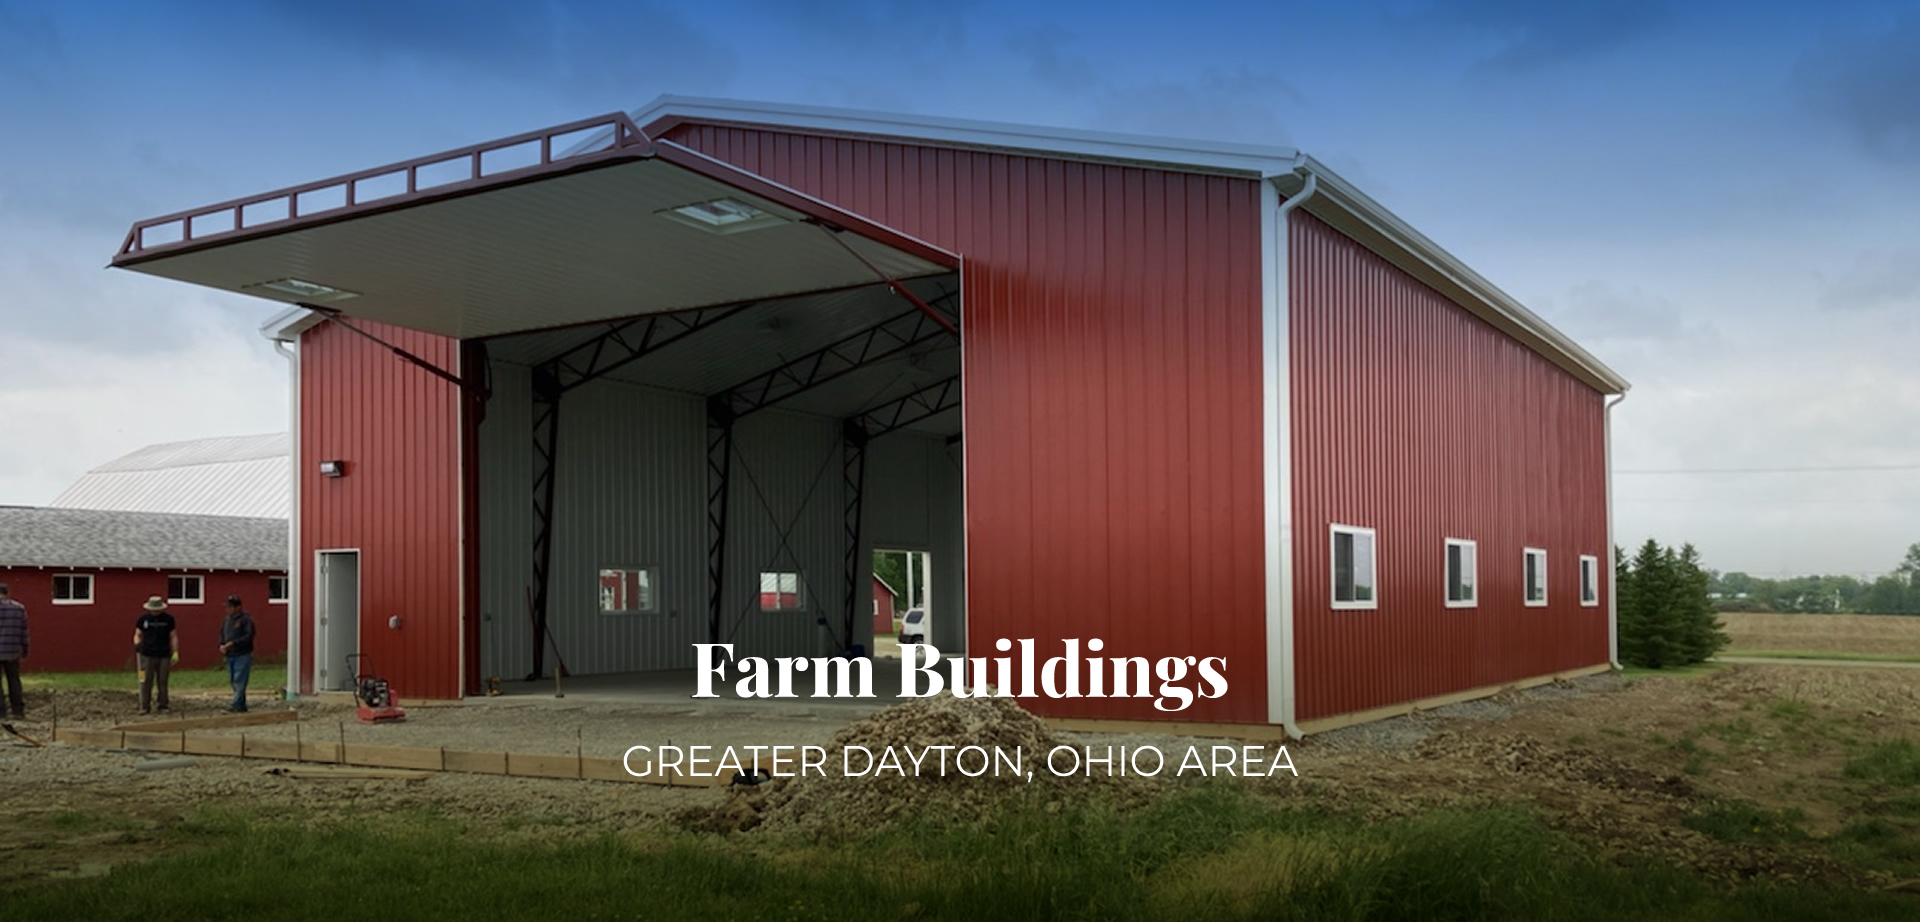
point(888, 338)
point(901, 412)
point(619, 344)
point(626, 341)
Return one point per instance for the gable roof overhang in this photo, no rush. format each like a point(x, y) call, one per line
point(464, 249)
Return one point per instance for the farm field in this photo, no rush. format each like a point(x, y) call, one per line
point(1733, 793)
point(1752, 633)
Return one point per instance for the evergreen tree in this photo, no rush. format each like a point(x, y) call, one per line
point(1666, 616)
point(1699, 625)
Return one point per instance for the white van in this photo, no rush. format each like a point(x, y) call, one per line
point(915, 626)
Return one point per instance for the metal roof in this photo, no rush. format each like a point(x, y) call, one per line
point(1336, 201)
point(246, 476)
point(90, 538)
point(466, 247)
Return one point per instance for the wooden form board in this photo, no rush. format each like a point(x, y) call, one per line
point(250, 719)
point(414, 758)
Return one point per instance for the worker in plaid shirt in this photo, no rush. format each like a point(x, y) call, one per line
point(13, 647)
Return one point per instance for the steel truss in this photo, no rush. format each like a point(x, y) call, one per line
point(618, 345)
point(897, 334)
point(856, 433)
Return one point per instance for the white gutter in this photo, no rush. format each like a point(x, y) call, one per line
point(1278, 449)
point(280, 331)
point(1613, 567)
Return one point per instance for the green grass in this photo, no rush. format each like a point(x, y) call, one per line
point(1740, 821)
point(1879, 844)
point(1214, 853)
point(1815, 654)
point(264, 678)
point(1790, 711)
point(1895, 763)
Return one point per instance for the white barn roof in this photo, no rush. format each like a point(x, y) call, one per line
point(37, 537)
point(247, 476)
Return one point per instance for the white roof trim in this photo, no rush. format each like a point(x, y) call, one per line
point(1206, 156)
point(1351, 211)
point(1338, 202)
point(286, 326)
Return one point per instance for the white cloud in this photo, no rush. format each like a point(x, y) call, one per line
point(69, 407)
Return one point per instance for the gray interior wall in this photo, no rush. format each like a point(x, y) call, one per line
point(914, 502)
point(506, 524)
point(632, 491)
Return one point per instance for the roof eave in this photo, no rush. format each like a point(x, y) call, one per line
point(1246, 160)
point(286, 326)
point(1354, 213)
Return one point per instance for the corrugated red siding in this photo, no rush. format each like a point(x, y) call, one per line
point(882, 609)
point(99, 636)
point(1415, 418)
point(398, 429)
point(1112, 392)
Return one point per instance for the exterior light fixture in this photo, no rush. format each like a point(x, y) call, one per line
point(722, 216)
point(333, 468)
point(303, 290)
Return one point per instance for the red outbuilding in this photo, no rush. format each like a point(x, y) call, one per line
point(1207, 403)
point(884, 599)
point(85, 573)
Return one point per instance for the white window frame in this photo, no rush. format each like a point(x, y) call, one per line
point(799, 591)
point(1589, 561)
point(199, 584)
point(286, 590)
point(1469, 572)
point(1526, 589)
point(1333, 568)
point(653, 591)
point(55, 589)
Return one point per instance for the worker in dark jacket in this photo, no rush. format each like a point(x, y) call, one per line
point(13, 648)
point(158, 646)
point(236, 644)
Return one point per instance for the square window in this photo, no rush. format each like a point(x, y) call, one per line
point(1535, 578)
point(1589, 581)
point(277, 590)
point(781, 592)
point(1354, 571)
point(1463, 573)
point(629, 591)
point(184, 590)
point(73, 589)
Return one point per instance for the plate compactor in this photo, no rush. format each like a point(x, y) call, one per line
point(372, 695)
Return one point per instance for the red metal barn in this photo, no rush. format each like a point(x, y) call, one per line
point(1193, 400)
point(884, 597)
point(84, 575)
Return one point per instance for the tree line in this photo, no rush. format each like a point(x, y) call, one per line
point(1895, 593)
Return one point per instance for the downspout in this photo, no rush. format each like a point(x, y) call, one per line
point(1613, 566)
point(1281, 662)
point(293, 515)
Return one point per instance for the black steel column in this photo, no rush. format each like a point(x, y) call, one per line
point(854, 473)
point(546, 432)
point(720, 420)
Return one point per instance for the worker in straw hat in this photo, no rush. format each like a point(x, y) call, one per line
point(158, 645)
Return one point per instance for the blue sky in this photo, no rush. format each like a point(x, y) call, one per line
point(1718, 199)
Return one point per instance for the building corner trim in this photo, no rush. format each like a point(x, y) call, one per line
point(1613, 565)
point(1277, 469)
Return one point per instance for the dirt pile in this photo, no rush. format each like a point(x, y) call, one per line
point(974, 755)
